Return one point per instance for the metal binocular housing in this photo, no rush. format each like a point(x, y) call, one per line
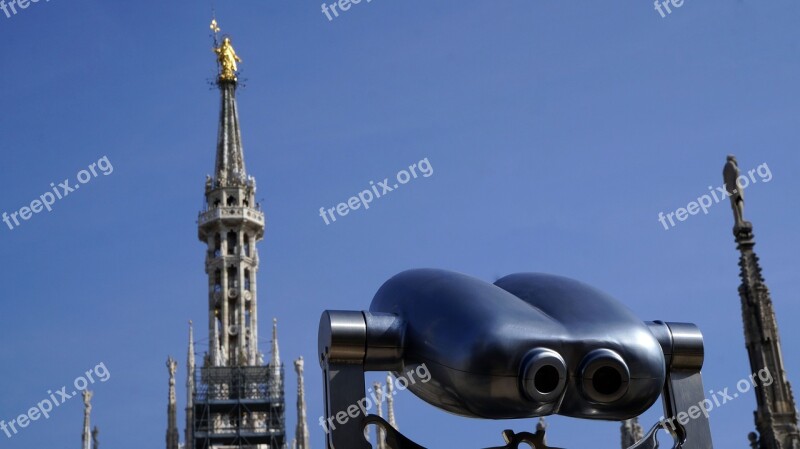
point(528, 345)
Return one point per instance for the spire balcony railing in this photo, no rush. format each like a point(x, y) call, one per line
point(251, 256)
point(231, 212)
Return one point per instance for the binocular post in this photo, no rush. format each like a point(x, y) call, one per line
point(343, 348)
point(684, 395)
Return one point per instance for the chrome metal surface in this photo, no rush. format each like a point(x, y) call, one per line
point(342, 348)
point(474, 338)
point(684, 395)
point(528, 345)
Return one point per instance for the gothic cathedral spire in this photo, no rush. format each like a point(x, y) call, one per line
point(632, 432)
point(230, 226)
point(86, 437)
point(172, 420)
point(190, 369)
point(776, 415)
point(233, 400)
point(301, 438)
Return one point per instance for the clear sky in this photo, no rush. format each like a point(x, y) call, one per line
point(557, 131)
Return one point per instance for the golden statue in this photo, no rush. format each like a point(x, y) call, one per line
point(227, 58)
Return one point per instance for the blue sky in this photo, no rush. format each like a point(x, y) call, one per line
point(557, 132)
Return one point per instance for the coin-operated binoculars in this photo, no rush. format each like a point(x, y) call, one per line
point(528, 345)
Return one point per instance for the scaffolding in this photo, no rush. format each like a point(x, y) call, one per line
point(239, 407)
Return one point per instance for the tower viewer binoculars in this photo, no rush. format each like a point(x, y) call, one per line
point(528, 345)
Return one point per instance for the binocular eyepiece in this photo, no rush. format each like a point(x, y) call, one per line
point(603, 376)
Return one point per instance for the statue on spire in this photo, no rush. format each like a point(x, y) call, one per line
point(172, 366)
point(226, 55)
point(730, 174)
point(227, 58)
point(87, 400)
